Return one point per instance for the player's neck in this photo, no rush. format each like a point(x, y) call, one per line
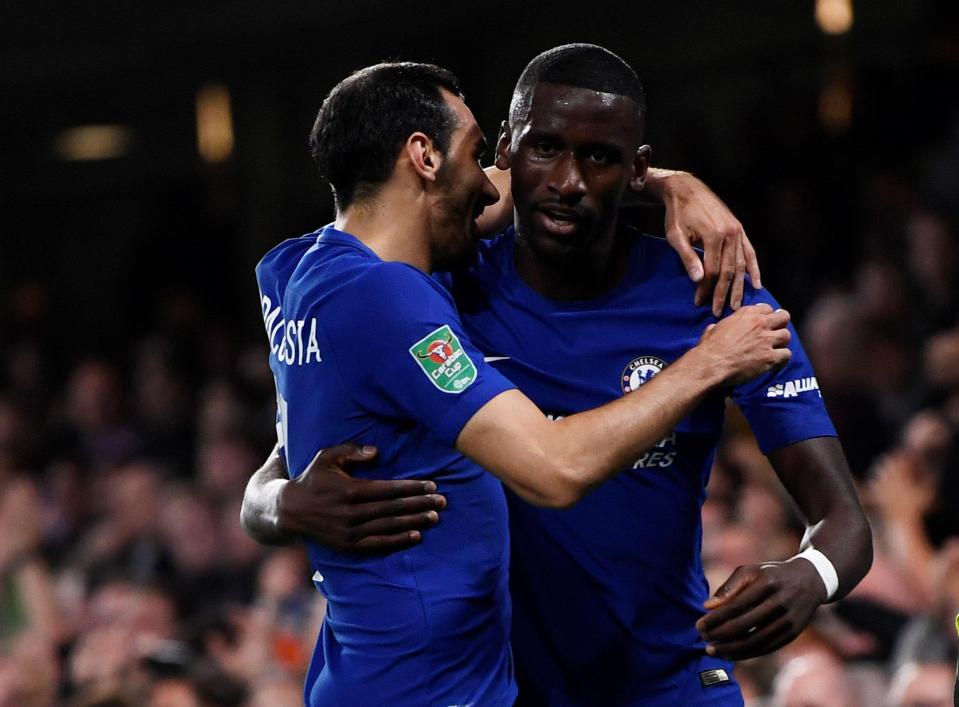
point(394, 226)
point(582, 276)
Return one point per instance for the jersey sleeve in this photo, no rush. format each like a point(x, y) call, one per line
point(402, 353)
point(784, 406)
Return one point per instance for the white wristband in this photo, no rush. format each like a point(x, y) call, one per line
point(823, 566)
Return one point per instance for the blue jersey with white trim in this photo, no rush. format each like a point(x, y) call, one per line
point(606, 594)
point(373, 352)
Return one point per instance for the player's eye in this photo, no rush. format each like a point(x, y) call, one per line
point(600, 156)
point(544, 148)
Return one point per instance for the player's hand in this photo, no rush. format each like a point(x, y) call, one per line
point(747, 343)
point(696, 216)
point(327, 505)
point(761, 608)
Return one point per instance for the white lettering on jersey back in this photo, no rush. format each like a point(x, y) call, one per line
point(792, 389)
point(292, 342)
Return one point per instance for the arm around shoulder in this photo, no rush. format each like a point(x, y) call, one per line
point(555, 463)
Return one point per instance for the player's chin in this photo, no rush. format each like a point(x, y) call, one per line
point(568, 245)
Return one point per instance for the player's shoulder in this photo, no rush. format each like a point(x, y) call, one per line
point(498, 247)
point(657, 251)
point(664, 263)
point(351, 286)
point(401, 280)
point(284, 257)
point(659, 264)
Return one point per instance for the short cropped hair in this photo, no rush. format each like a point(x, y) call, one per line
point(367, 117)
point(579, 65)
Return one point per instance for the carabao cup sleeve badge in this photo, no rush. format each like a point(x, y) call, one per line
point(441, 356)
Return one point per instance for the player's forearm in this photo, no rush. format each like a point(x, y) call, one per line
point(260, 513)
point(498, 216)
point(594, 445)
point(659, 184)
point(844, 537)
point(660, 181)
point(556, 463)
point(817, 476)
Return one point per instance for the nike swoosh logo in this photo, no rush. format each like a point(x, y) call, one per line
point(490, 359)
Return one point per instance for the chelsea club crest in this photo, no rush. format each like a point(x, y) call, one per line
point(640, 370)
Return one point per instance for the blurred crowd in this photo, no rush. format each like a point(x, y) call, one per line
point(885, 347)
point(125, 578)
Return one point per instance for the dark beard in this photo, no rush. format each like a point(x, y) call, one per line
point(457, 249)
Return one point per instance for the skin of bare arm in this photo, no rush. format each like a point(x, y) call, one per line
point(276, 510)
point(327, 505)
point(694, 216)
point(498, 216)
point(260, 513)
point(762, 607)
point(555, 463)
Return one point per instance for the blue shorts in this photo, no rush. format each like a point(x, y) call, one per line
point(690, 688)
point(685, 688)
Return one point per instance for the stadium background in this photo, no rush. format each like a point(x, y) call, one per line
point(153, 151)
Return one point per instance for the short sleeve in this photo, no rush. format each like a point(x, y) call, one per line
point(784, 406)
point(401, 351)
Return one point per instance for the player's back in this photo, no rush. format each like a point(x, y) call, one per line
point(429, 625)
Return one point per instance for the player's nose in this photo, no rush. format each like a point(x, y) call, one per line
point(566, 177)
point(489, 194)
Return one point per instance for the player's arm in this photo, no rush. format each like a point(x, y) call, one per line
point(763, 607)
point(694, 216)
point(555, 463)
point(337, 511)
point(499, 215)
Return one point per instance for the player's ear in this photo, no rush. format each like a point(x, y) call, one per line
point(640, 165)
point(503, 143)
point(423, 156)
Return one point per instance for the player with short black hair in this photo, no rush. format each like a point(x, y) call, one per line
point(366, 345)
point(356, 155)
point(579, 65)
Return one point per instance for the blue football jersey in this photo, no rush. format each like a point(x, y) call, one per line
point(374, 352)
point(606, 594)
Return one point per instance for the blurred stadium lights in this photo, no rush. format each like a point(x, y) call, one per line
point(836, 103)
point(834, 16)
point(214, 123)
point(86, 143)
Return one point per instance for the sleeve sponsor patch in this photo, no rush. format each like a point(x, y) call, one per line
point(441, 356)
point(791, 389)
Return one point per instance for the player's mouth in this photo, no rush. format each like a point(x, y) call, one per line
point(557, 220)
